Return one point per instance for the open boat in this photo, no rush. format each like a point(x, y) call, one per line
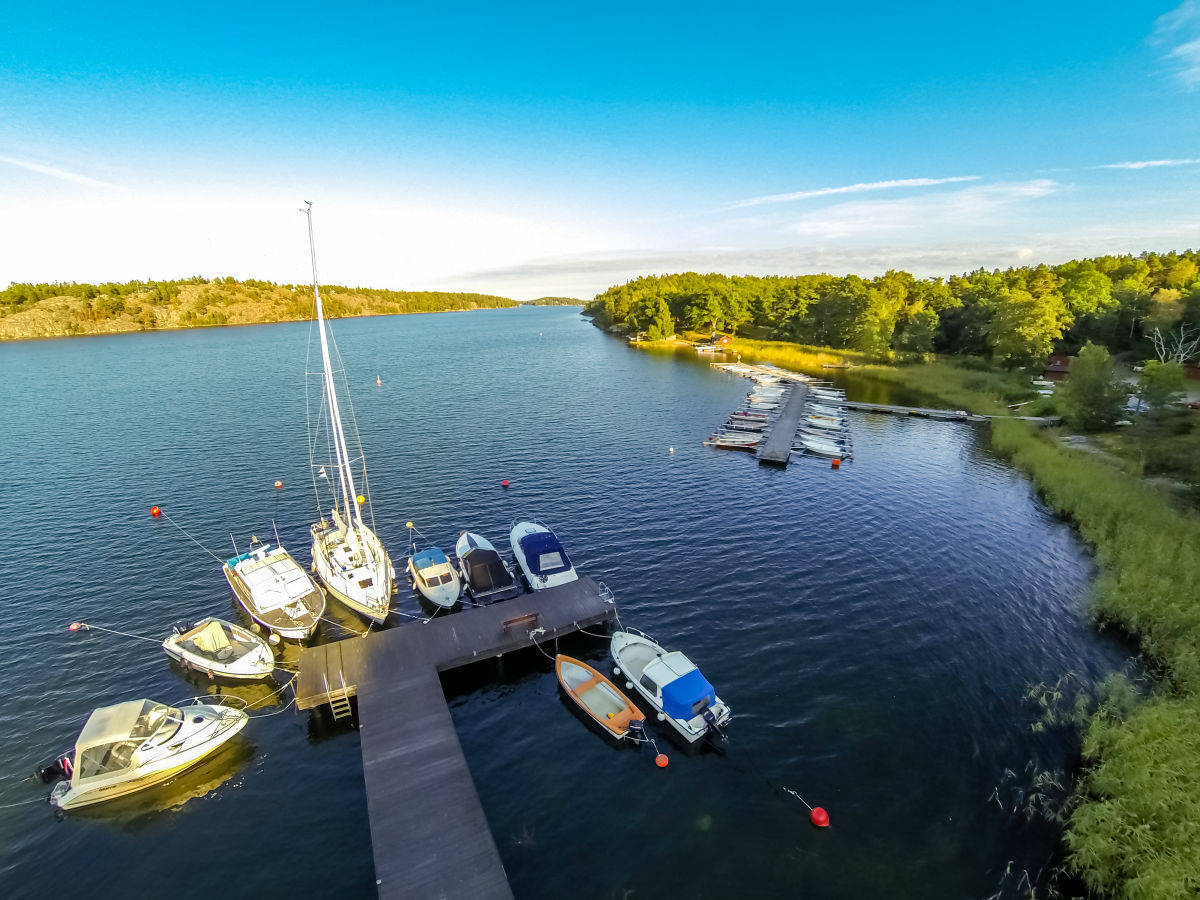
point(434, 577)
point(822, 447)
point(540, 556)
point(275, 591)
point(598, 697)
point(671, 683)
point(826, 422)
point(134, 745)
point(347, 554)
point(217, 647)
point(485, 576)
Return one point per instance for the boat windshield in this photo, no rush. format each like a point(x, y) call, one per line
point(157, 722)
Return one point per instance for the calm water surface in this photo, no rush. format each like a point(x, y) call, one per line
point(873, 628)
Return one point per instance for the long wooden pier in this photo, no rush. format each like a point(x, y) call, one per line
point(428, 829)
point(777, 448)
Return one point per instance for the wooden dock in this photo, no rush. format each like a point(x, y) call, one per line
point(428, 829)
point(777, 448)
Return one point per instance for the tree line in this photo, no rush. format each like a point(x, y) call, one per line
point(1013, 316)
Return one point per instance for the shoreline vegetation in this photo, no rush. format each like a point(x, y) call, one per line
point(30, 311)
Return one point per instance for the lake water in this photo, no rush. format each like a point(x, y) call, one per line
point(874, 628)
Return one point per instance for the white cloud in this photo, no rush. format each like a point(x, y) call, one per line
point(52, 172)
point(967, 208)
point(1180, 30)
point(850, 189)
point(1150, 164)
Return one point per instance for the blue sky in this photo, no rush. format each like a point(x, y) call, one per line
point(536, 149)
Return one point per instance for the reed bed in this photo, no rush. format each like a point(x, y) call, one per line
point(1134, 825)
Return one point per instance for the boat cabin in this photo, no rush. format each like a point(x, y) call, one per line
point(112, 736)
point(544, 555)
point(677, 684)
point(432, 567)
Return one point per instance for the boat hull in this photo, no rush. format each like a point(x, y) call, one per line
point(249, 666)
point(596, 696)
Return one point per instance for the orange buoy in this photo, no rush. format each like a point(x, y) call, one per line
point(378, 381)
point(819, 817)
point(836, 464)
point(155, 511)
point(661, 760)
point(504, 483)
point(278, 485)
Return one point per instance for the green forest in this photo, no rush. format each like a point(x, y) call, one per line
point(62, 309)
point(1013, 317)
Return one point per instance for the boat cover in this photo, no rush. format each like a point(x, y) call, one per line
point(682, 697)
point(211, 638)
point(486, 571)
point(544, 555)
point(430, 557)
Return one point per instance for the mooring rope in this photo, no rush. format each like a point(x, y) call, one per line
point(164, 514)
point(85, 626)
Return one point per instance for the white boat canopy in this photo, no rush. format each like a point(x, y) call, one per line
point(126, 723)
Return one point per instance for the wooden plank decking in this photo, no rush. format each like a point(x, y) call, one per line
point(777, 448)
point(428, 830)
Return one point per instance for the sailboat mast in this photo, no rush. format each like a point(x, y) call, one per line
point(345, 476)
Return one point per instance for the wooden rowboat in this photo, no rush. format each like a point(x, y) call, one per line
point(597, 696)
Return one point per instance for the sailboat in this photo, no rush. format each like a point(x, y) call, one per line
point(348, 556)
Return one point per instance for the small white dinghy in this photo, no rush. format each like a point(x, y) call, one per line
point(540, 556)
point(133, 745)
point(671, 683)
point(217, 647)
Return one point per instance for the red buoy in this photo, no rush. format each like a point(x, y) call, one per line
point(819, 817)
point(661, 760)
point(504, 483)
point(155, 511)
point(278, 485)
point(74, 626)
point(836, 464)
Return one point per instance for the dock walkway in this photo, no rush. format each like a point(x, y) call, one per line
point(777, 448)
point(428, 829)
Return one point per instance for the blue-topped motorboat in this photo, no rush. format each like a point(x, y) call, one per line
point(434, 577)
point(541, 557)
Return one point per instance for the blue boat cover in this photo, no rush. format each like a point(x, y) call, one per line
point(544, 554)
point(430, 557)
point(682, 697)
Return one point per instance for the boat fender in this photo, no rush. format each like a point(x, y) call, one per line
point(662, 717)
point(616, 670)
point(629, 685)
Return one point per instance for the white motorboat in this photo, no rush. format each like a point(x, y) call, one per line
point(540, 556)
point(434, 577)
point(486, 577)
point(833, 396)
point(274, 589)
point(830, 411)
point(347, 555)
point(671, 683)
point(133, 745)
point(217, 647)
point(822, 447)
point(825, 422)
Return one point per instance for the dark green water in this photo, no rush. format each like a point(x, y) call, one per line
point(873, 628)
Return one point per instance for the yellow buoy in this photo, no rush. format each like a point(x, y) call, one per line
point(408, 524)
point(361, 499)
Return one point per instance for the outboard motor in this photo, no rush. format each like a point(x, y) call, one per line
point(183, 626)
point(60, 768)
point(637, 729)
point(712, 724)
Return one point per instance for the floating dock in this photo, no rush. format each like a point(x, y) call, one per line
point(428, 829)
point(777, 448)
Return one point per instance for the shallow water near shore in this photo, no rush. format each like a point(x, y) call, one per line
point(873, 628)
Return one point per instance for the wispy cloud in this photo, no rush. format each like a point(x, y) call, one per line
point(1150, 164)
point(52, 172)
point(968, 208)
point(850, 189)
point(1180, 31)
